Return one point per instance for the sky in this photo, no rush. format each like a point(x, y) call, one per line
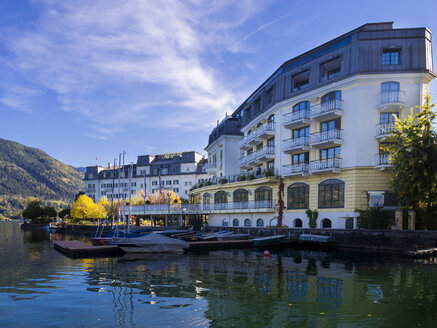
point(85, 80)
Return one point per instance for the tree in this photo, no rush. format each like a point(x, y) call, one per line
point(64, 212)
point(83, 208)
point(413, 156)
point(33, 210)
point(49, 212)
point(165, 197)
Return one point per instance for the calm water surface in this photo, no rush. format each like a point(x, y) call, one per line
point(40, 287)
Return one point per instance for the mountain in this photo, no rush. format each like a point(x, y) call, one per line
point(30, 172)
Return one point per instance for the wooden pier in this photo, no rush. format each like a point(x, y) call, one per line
point(74, 248)
point(423, 252)
point(223, 244)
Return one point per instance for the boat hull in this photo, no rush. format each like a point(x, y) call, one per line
point(268, 240)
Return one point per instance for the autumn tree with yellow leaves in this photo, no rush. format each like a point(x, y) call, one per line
point(84, 208)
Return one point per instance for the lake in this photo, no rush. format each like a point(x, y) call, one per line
point(40, 287)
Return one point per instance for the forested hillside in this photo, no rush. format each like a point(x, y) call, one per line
point(30, 172)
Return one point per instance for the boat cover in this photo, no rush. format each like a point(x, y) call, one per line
point(154, 243)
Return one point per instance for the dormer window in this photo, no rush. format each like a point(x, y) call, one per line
point(330, 69)
point(256, 106)
point(391, 56)
point(269, 96)
point(301, 81)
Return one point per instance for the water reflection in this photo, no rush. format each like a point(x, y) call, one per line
point(291, 288)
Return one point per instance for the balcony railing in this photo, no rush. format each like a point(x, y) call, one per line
point(242, 141)
point(265, 152)
point(261, 204)
point(391, 98)
point(384, 129)
point(297, 116)
point(244, 176)
point(90, 189)
point(296, 143)
point(210, 165)
point(295, 169)
point(382, 159)
point(332, 106)
point(266, 129)
point(325, 164)
point(327, 136)
point(242, 161)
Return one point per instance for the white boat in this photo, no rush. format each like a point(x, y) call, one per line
point(151, 243)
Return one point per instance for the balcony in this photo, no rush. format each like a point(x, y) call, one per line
point(243, 143)
point(391, 101)
point(295, 169)
point(211, 167)
point(266, 130)
point(90, 189)
point(296, 145)
point(326, 165)
point(326, 138)
point(265, 153)
point(242, 162)
point(251, 159)
point(296, 119)
point(328, 110)
point(382, 161)
point(253, 139)
point(384, 130)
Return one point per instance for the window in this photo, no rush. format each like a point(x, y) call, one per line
point(302, 158)
point(247, 223)
point(349, 224)
point(389, 92)
point(220, 197)
point(297, 223)
point(225, 223)
point(331, 193)
point(388, 117)
point(270, 165)
point(257, 106)
point(164, 171)
point(302, 132)
point(271, 119)
point(301, 80)
point(391, 56)
point(298, 195)
point(186, 183)
point(273, 222)
point(302, 106)
point(331, 99)
point(175, 182)
point(240, 196)
point(326, 223)
point(269, 96)
point(330, 125)
point(260, 223)
point(328, 153)
point(271, 142)
point(235, 223)
point(176, 189)
point(330, 69)
point(263, 193)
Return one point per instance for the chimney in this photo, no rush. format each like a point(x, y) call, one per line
point(109, 165)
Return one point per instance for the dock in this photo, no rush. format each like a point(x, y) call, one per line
point(223, 244)
point(74, 248)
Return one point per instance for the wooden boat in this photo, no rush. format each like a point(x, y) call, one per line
point(315, 240)
point(268, 240)
point(234, 236)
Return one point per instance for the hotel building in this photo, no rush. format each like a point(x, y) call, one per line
point(178, 172)
point(315, 134)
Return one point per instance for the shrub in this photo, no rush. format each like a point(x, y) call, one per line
point(250, 177)
point(376, 218)
point(208, 183)
point(268, 173)
point(223, 180)
point(241, 178)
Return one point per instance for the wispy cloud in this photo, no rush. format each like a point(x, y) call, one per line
point(131, 62)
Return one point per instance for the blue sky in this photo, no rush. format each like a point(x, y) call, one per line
point(86, 79)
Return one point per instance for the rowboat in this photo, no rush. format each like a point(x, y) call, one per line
point(268, 240)
point(151, 243)
point(315, 240)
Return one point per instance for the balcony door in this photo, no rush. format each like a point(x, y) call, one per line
point(389, 92)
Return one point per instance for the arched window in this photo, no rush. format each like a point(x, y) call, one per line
point(235, 223)
point(326, 223)
point(331, 193)
point(263, 193)
point(240, 196)
point(331, 97)
point(298, 195)
point(260, 223)
point(207, 200)
point(297, 223)
point(271, 119)
point(302, 106)
point(220, 197)
point(225, 222)
point(273, 222)
point(389, 92)
point(349, 224)
point(247, 223)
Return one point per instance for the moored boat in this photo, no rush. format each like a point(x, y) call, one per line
point(151, 243)
point(268, 240)
point(315, 240)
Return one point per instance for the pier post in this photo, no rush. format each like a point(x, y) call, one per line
point(411, 220)
point(398, 219)
point(166, 220)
